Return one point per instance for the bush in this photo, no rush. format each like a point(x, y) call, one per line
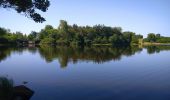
point(47, 41)
point(163, 40)
point(3, 40)
point(6, 88)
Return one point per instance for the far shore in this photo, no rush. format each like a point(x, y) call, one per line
point(144, 44)
point(155, 44)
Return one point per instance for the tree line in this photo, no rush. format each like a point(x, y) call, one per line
point(157, 38)
point(80, 35)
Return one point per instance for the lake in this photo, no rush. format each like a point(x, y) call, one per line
point(89, 73)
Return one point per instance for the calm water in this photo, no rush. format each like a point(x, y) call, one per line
point(90, 73)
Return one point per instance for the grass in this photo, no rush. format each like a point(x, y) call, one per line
point(6, 88)
point(102, 44)
point(149, 43)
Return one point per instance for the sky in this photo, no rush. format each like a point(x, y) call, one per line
point(140, 16)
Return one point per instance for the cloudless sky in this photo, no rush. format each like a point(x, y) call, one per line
point(140, 16)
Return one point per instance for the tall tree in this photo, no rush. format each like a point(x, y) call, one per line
point(63, 29)
point(28, 7)
point(2, 32)
point(151, 37)
point(33, 35)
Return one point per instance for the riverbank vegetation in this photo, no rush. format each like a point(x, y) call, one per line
point(156, 38)
point(80, 35)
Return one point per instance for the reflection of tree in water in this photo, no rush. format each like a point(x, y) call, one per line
point(98, 54)
point(156, 49)
point(6, 51)
point(10, 92)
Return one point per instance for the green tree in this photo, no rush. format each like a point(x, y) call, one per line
point(2, 32)
point(79, 39)
point(117, 30)
point(151, 37)
point(48, 27)
point(19, 35)
point(28, 7)
point(158, 36)
point(114, 39)
point(64, 30)
point(33, 35)
point(44, 33)
point(128, 36)
point(47, 41)
point(63, 27)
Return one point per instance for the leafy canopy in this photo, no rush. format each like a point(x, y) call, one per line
point(28, 7)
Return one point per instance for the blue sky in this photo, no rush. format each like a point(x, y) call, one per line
point(140, 16)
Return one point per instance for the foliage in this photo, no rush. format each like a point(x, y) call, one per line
point(47, 41)
point(81, 35)
point(2, 32)
point(33, 36)
point(86, 35)
point(151, 37)
point(6, 88)
point(8, 37)
point(74, 34)
point(157, 38)
point(163, 40)
point(28, 7)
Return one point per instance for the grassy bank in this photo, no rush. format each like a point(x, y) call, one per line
point(150, 44)
point(102, 44)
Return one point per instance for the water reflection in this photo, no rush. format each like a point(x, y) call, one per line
point(139, 77)
point(95, 54)
point(156, 49)
point(65, 55)
point(6, 51)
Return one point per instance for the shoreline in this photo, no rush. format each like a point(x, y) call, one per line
point(143, 44)
point(155, 44)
